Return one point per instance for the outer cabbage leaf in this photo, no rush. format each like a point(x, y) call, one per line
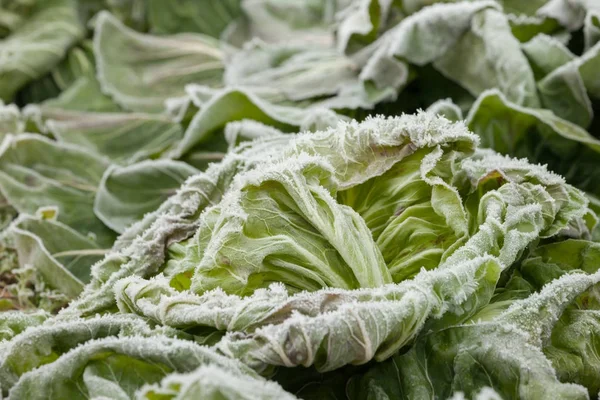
point(37, 44)
point(61, 255)
point(185, 16)
point(141, 71)
point(14, 322)
point(212, 382)
point(490, 64)
point(46, 343)
point(573, 349)
point(84, 94)
point(132, 13)
point(231, 105)
point(565, 90)
point(545, 54)
point(591, 29)
point(122, 137)
point(36, 172)
point(77, 66)
point(447, 109)
point(537, 134)
point(237, 132)
point(11, 120)
point(551, 261)
point(362, 22)
point(525, 27)
point(474, 356)
point(291, 72)
point(569, 14)
point(292, 21)
point(504, 353)
point(71, 85)
point(126, 194)
point(518, 7)
point(12, 15)
point(419, 39)
point(117, 367)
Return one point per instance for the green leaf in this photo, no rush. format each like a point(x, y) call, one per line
point(47, 342)
point(537, 134)
point(212, 382)
point(524, 28)
point(115, 366)
point(447, 109)
point(551, 261)
point(420, 39)
point(292, 21)
point(545, 54)
point(185, 16)
point(306, 239)
point(126, 194)
point(573, 348)
point(591, 29)
point(36, 172)
point(290, 72)
point(61, 255)
point(565, 90)
point(362, 22)
point(504, 354)
point(141, 71)
point(495, 60)
point(38, 44)
point(78, 63)
point(141, 249)
point(122, 137)
point(14, 322)
point(234, 105)
point(11, 120)
point(466, 359)
point(568, 14)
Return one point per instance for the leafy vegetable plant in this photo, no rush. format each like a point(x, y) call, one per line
point(281, 199)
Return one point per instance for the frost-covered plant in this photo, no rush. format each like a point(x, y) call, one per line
point(152, 177)
point(371, 244)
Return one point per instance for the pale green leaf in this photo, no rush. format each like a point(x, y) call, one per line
point(38, 44)
point(62, 256)
point(495, 60)
point(565, 90)
point(122, 137)
point(213, 383)
point(141, 71)
point(591, 29)
point(126, 194)
point(186, 16)
point(537, 134)
point(36, 172)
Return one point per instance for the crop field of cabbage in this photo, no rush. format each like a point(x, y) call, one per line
point(299, 199)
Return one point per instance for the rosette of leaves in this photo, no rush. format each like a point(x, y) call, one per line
point(327, 251)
